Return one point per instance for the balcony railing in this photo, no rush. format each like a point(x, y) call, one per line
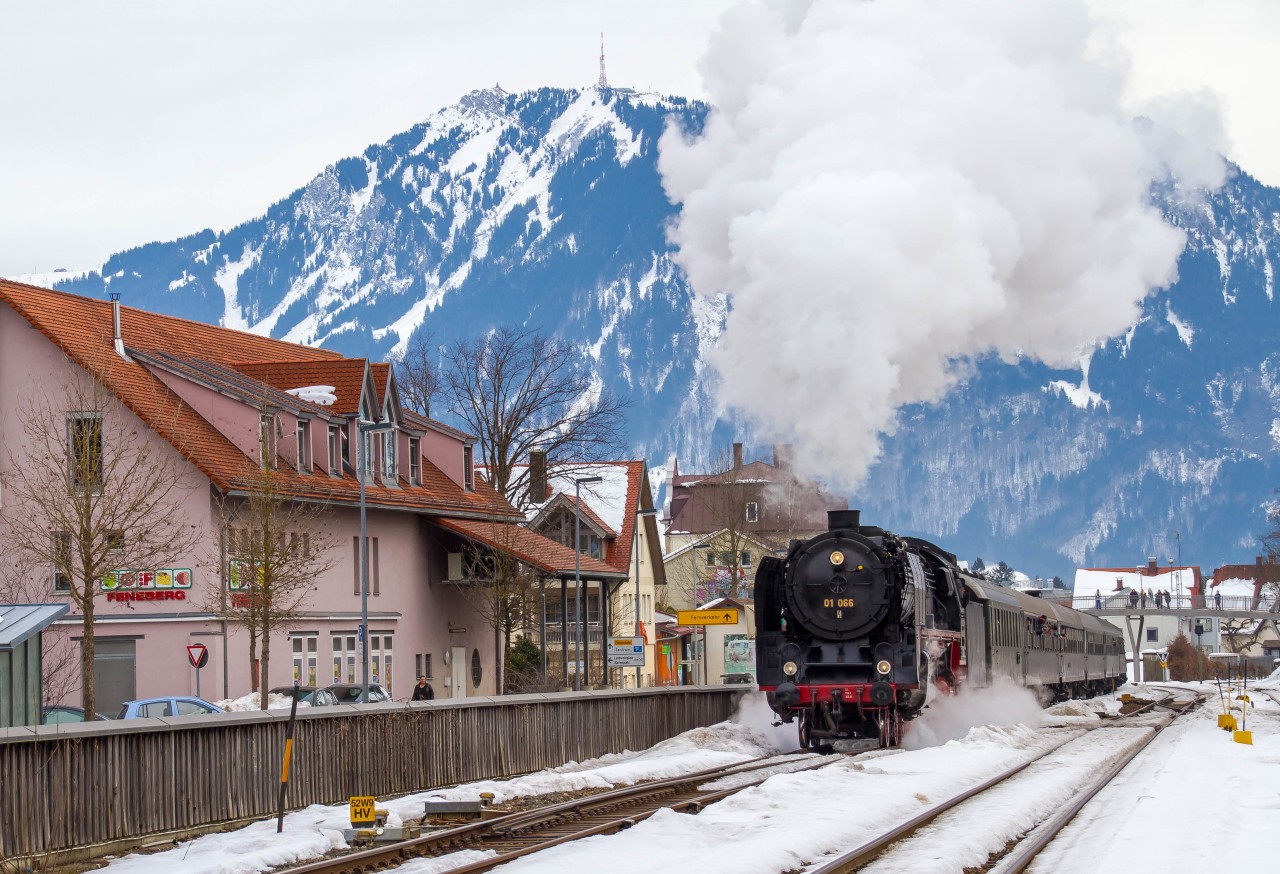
point(556, 635)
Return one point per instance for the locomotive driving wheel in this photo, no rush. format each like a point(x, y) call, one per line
point(890, 725)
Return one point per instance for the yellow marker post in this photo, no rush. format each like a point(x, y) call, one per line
point(288, 753)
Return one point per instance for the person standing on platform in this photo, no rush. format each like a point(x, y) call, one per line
point(423, 691)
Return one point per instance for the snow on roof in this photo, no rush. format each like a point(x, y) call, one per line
point(607, 499)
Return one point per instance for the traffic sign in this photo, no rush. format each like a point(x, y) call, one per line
point(198, 655)
point(625, 652)
point(728, 616)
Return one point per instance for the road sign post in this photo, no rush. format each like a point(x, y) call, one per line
point(198, 655)
point(625, 652)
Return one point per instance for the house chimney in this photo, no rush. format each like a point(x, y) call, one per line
point(1258, 560)
point(782, 456)
point(1119, 583)
point(737, 455)
point(1152, 570)
point(115, 326)
point(537, 475)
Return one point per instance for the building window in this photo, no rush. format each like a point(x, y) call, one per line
point(344, 658)
point(468, 469)
point(380, 660)
point(335, 451)
point(84, 456)
point(1153, 634)
point(304, 446)
point(477, 670)
point(62, 561)
point(389, 471)
point(711, 558)
point(422, 661)
point(753, 511)
point(113, 540)
point(267, 440)
point(305, 664)
point(415, 461)
point(372, 545)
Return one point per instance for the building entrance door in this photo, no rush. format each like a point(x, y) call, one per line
point(115, 673)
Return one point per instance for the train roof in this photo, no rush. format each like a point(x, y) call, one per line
point(985, 590)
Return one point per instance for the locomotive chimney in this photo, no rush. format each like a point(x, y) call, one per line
point(844, 520)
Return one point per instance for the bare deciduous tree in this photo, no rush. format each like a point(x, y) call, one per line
point(93, 492)
point(417, 373)
point(519, 390)
point(276, 547)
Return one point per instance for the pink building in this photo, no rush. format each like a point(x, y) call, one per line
point(218, 405)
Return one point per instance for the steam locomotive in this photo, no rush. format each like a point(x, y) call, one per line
point(856, 625)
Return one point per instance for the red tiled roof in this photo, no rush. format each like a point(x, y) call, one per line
point(82, 328)
point(532, 548)
point(417, 420)
point(346, 375)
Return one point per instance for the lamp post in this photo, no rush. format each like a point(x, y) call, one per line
point(363, 429)
point(640, 514)
point(579, 648)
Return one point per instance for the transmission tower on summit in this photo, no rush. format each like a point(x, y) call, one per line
point(604, 81)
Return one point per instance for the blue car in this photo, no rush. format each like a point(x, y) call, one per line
point(177, 705)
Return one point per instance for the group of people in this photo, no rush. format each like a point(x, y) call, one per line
point(1162, 598)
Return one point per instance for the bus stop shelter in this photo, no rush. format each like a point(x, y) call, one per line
point(21, 659)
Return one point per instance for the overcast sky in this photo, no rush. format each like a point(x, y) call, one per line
point(129, 121)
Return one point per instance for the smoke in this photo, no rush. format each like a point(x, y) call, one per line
point(891, 190)
point(951, 717)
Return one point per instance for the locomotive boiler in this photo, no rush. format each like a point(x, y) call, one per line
point(856, 625)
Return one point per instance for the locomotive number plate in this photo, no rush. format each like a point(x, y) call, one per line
point(837, 602)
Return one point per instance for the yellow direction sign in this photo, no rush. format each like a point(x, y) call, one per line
point(362, 810)
point(728, 616)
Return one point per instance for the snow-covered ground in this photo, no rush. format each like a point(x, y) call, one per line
point(1194, 800)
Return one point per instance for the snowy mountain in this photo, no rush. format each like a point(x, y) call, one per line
point(546, 209)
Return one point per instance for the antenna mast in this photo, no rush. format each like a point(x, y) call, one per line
point(604, 82)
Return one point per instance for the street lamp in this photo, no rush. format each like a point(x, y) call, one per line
point(579, 648)
point(640, 514)
point(363, 429)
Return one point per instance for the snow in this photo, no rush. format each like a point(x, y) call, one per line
point(791, 819)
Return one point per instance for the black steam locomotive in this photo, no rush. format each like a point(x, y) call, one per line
point(855, 625)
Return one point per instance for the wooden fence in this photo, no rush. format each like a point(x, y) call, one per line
point(75, 790)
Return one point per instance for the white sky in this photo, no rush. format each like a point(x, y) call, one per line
point(793, 817)
point(133, 121)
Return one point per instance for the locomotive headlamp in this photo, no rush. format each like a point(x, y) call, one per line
point(790, 668)
point(883, 667)
point(837, 558)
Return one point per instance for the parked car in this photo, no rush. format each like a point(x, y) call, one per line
point(310, 695)
point(177, 705)
point(352, 693)
point(63, 713)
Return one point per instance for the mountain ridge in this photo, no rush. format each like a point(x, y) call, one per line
point(546, 208)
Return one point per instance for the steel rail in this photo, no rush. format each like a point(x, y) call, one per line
point(521, 829)
point(860, 856)
point(1038, 838)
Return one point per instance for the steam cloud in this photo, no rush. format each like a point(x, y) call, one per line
point(889, 190)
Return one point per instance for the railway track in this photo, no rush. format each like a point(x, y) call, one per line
point(513, 835)
point(1016, 856)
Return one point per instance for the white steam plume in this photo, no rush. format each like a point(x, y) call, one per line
point(889, 190)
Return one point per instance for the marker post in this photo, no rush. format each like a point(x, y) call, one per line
point(288, 750)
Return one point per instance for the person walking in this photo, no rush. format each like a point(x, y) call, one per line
point(423, 691)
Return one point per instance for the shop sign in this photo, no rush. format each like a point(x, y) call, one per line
point(166, 584)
